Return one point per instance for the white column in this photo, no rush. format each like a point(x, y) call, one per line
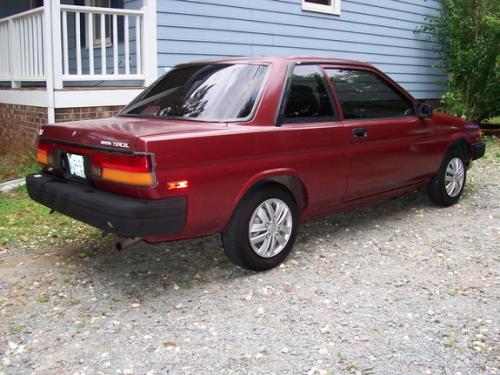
point(48, 59)
point(56, 43)
point(149, 42)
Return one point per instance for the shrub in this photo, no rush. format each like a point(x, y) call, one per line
point(468, 36)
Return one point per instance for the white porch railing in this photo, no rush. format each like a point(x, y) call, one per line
point(21, 46)
point(59, 43)
point(102, 35)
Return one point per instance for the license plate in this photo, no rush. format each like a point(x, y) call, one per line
point(76, 165)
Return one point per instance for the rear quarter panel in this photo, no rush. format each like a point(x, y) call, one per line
point(221, 168)
point(450, 129)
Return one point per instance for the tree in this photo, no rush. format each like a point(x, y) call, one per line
point(468, 36)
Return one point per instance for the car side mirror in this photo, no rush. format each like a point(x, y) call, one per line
point(424, 110)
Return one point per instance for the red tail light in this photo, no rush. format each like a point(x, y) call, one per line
point(129, 163)
point(126, 169)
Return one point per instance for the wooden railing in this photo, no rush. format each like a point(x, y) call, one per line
point(107, 31)
point(21, 47)
point(58, 43)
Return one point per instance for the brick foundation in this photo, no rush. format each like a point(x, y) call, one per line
point(19, 124)
point(85, 113)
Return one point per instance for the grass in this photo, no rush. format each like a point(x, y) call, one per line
point(15, 329)
point(16, 166)
point(492, 148)
point(492, 121)
point(25, 222)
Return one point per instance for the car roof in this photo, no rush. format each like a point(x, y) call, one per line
point(271, 59)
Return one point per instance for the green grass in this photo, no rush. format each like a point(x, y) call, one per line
point(16, 166)
point(492, 121)
point(492, 148)
point(25, 222)
point(15, 329)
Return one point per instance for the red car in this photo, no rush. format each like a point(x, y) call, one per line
point(250, 147)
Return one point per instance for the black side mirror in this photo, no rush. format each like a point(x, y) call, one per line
point(423, 110)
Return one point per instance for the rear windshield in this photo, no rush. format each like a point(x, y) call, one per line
point(205, 92)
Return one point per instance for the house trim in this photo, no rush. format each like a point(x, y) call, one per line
point(70, 98)
point(35, 98)
point(150, 42)
point(334, 8)
point(94, 98)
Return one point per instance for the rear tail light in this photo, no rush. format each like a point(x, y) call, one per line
point(44, 153)
point(126, 169)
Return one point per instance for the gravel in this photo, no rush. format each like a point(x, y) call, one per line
point(398, 287)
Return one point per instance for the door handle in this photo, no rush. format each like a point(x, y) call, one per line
point(360, 133)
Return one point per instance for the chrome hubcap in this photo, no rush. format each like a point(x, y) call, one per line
point(455, 176)
point(270, 227)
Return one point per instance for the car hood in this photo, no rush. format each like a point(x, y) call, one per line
point(122, 132)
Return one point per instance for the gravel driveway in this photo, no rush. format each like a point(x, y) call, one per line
point(399, 287)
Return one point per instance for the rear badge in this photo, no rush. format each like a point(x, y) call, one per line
point(115, 144)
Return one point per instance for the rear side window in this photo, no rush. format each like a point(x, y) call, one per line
point(308, 98)
point(365, 95)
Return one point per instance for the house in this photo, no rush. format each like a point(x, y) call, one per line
point(64, 60)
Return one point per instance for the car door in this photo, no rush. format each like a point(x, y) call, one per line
point(387, 141)
point(310, 119)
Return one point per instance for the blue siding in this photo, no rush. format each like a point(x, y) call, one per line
point(382, 34)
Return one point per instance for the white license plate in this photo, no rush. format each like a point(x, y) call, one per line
point(76, 165)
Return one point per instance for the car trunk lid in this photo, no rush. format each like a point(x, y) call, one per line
point(120, 133)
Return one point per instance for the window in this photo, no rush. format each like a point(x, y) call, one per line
point(206, 92)
point(322, 6)
point(365, 95)
point(308, 98)
point(96, 22)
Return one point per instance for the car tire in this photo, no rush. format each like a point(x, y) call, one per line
point(447, 185)
point(262, 229)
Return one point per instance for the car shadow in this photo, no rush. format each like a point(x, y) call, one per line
point(146, 270)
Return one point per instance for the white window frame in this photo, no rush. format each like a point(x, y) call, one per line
point(334, 8)
point(96, 33)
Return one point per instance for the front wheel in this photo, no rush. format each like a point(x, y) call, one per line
point(447, 185)
point(262, 230)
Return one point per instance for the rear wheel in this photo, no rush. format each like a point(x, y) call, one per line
point(447, 185)
point(262, 230)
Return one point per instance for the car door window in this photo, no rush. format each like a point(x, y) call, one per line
point(308, 99)
point(365, 95)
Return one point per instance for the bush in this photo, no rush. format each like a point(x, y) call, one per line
point(468, 36)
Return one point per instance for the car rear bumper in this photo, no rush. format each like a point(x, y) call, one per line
point(478, 150)
point(124, 216)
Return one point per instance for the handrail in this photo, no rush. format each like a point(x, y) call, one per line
point(58, 42)
point(101, 10)
point(22, 14)
point(102, 39)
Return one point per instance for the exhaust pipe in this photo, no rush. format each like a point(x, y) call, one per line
point(123, 243)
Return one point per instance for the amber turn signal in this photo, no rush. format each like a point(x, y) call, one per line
point(130, 178)
point(42, 156)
